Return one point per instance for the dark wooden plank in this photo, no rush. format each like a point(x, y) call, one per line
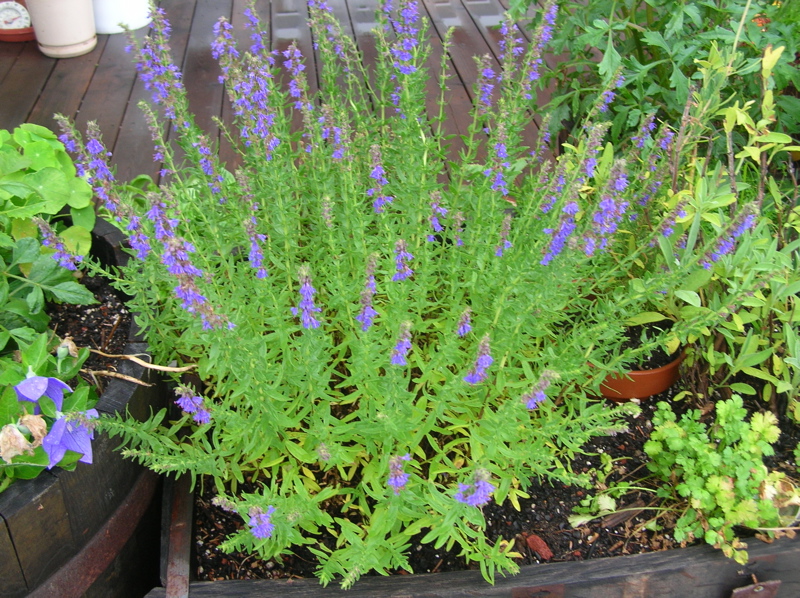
point(108, 94)
point(8, 56)
point(200, 71)
point(33, 511)
point(97, 488)
point(133, 152)
point(22, 85)
point(467, 40)
point(13, 583)
point(66, 87)
point(699, 572)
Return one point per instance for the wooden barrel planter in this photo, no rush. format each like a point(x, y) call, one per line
point(697, 571)
point(92, 531)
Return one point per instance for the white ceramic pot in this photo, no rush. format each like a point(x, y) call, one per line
point(63, 28)
point(109, 14)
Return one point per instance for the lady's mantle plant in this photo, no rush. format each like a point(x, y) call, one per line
point(387, 340)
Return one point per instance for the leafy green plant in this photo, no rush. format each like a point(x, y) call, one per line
point(717, 472)
point(653, 45)
point(38, 181)
point(711, 479)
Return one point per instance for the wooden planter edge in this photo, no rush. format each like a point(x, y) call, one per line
point(697, 571)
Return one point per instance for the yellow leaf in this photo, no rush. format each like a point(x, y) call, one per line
point(770, 59)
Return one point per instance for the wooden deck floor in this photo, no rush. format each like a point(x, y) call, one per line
point(103, 85)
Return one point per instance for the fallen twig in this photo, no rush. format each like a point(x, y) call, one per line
point(147, 364)
point(94, 373)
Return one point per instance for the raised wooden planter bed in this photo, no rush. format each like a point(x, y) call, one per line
point(93, 531)
point(696, 572)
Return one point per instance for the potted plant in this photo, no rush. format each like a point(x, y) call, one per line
point(404, 346)
point(65, 523)
point(63, 28)
point(115, 17)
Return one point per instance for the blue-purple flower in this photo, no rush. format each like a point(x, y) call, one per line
point(260, 522)
point(541, 37)
point(478, 492)
point(70, 432)
point(403, 345)
point(436, 210)
point(306, 308)
point(537, 394)
point(482, 362)
point(193, 404)
point(726, 242)
point(378, 174)
point(397, 477)
point(464, 323)
point(504, 232)
point(402, 258)
point(368, 313)
point(35, 387)
point(62, 255)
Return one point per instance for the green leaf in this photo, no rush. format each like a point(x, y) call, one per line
point(77, 239)
point(11, 161)
point(80, 195)
point(654, 38)
point(72, 292)
point(646, 317)
point(743, 388)
point(41, 155)
point(3, 291)
point(35, 354)
point(26, 251)
point(84, 217)
point(690, 297)
point(9, 404)
point(35, 300)
point(611, 61)
point(53, 187)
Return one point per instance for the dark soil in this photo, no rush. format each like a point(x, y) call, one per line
point(103, 326)
point(540, 530)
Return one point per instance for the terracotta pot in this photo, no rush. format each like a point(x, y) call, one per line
point(640, 384)
point(64, 28)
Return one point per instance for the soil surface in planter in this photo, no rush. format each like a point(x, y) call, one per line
point(540, 529)
point(103, 326)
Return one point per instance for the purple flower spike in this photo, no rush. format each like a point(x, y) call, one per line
point(478, 492)
point(378, 174)
point(436, 211)
point(397, 477)
point(403, 345)
point(70, 432)
point(368, 313)
point(34, 388)
point(482, 363)
point(537, 393)
point(306, 307)
point(187, 400)
point(464, 323)
point(260, 522)
point(62, 255)
point(504, 232)
point(402, 257)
